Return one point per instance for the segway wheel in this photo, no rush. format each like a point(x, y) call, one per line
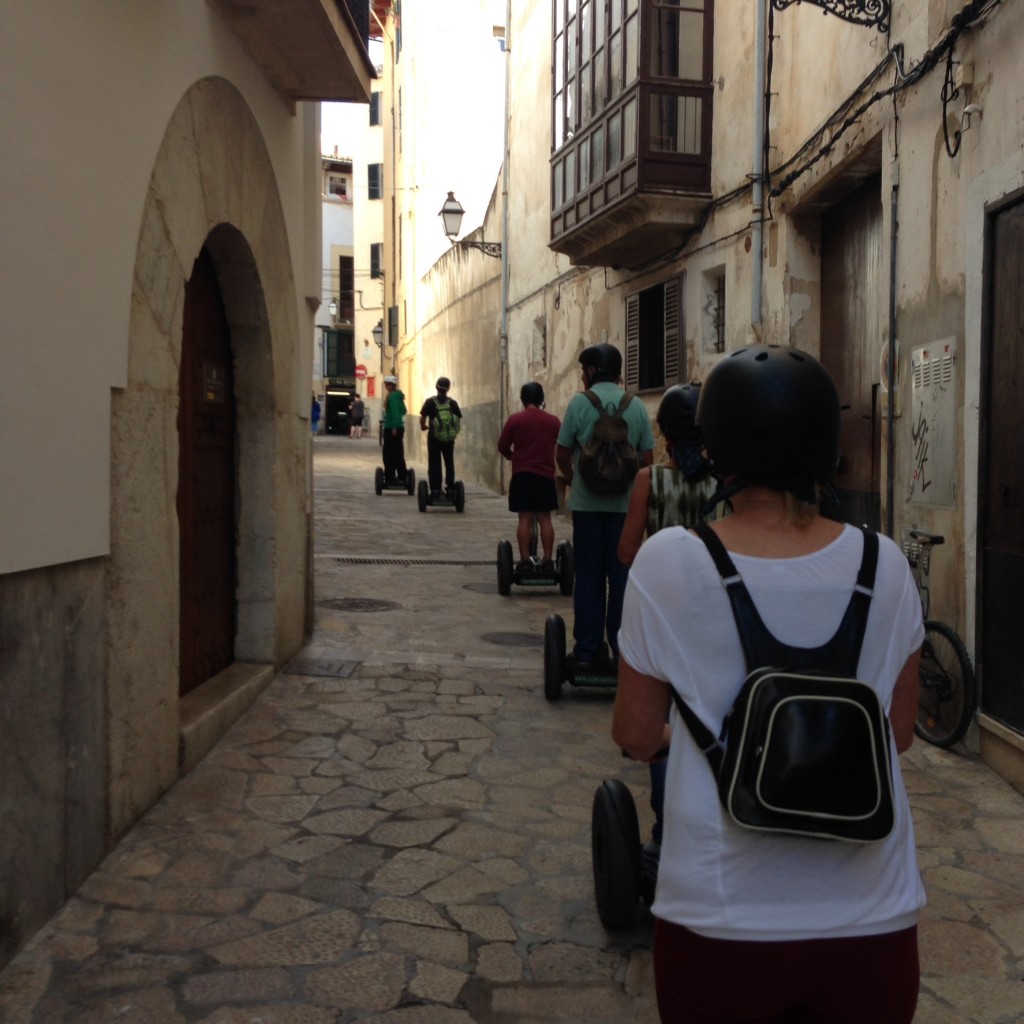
point(554, 656)
point(460, 496)
point(422, 495)
point(566, 568)
point(410, 481)
point(504, 568)
point(615, 848)
point(378, 480)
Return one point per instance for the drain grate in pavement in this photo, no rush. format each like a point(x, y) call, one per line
point(513, 639)
point(372, 560)
point(317, 667)
point(358, 604)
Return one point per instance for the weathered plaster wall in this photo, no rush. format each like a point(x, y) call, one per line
point(52, 754)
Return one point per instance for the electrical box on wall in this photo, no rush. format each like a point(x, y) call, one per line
point(933, 424)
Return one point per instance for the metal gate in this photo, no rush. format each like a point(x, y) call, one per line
point(1001, 517)
point(206, 482)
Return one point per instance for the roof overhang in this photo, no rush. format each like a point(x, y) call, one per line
point(308, 49)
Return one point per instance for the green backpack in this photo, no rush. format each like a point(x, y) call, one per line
point(445, 424)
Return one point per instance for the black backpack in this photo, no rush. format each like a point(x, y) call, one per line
point(608, 463)
point(804, 749)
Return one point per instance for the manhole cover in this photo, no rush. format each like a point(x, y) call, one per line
point(358, 604)
point(513, 639)
point(481, 588)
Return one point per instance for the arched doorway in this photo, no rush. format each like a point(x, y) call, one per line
point(206, 482)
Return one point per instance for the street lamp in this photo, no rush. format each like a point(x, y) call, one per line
point(378, 334)
point(451, 217)
point(332, 308)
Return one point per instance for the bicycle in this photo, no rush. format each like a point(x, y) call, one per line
point(948, 694)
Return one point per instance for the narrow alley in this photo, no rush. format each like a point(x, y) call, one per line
point(398, 830)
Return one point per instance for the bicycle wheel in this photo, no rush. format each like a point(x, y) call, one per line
point(946, 703)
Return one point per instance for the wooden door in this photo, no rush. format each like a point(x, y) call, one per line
point(1001, 516)
point(852, 311)
point(206, 482)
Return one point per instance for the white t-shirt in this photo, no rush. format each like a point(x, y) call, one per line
point(714, 877)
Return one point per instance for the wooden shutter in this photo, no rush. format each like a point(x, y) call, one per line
point(674, 357)
point(632, 342)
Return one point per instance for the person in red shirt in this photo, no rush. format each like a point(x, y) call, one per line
point(528, 439)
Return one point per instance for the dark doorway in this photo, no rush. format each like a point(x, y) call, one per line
point(1002, 485)
point(206, 482)
point(852, 309)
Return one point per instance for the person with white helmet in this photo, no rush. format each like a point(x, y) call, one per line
point(394, 432)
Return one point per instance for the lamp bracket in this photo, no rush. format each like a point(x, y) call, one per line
point(869, 13)
point(489, 248)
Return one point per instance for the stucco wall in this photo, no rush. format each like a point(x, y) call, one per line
point(173, 141)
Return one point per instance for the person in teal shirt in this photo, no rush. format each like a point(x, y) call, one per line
point(597, 519)
point(394, 432)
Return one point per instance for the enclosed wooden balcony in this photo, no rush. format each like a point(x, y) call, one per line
point(631, 127)
point(308, 49)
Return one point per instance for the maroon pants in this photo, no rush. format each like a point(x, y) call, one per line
point(871, 979)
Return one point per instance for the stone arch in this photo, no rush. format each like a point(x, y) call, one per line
point(212, 184)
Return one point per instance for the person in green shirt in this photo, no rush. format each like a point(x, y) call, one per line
point(394, 432)
point(597, 519)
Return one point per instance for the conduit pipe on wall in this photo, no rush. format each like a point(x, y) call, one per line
point(890, 369)
point(503, 339)
point(758, 175)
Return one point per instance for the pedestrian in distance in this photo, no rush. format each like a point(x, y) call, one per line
point(394, 432)
point(598, 504)
point(358, 411)
point(314, 416)
point(442, 416)
point(528, 441)
point(819, 929)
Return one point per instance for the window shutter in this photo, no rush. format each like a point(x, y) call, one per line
point(674, 358)
point(375, 108)
point(632, 342)
point(376, 257)
point(375, 175)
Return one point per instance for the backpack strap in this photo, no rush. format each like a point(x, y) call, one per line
point(760, 648)
point(841, 653)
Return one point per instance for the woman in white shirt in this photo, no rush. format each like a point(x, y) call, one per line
point(753, 926)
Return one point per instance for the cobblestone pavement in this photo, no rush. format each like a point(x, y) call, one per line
point(398, 831)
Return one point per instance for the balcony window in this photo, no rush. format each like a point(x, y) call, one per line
point(631, 113)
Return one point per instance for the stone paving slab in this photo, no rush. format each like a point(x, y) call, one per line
point(398, 830)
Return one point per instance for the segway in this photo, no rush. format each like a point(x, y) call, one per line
point(615, 852)
point(562, 572)
point(558, 669)
point(621, 878)
point(408, 484)
point(455, 499)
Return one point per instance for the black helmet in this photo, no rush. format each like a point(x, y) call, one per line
point(443, 383)
point(770, 416)
point(531, 393)
point(677, 412)
point(605, 360)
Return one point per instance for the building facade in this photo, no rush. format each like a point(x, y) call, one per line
point(157, 317)
point(712, 174)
